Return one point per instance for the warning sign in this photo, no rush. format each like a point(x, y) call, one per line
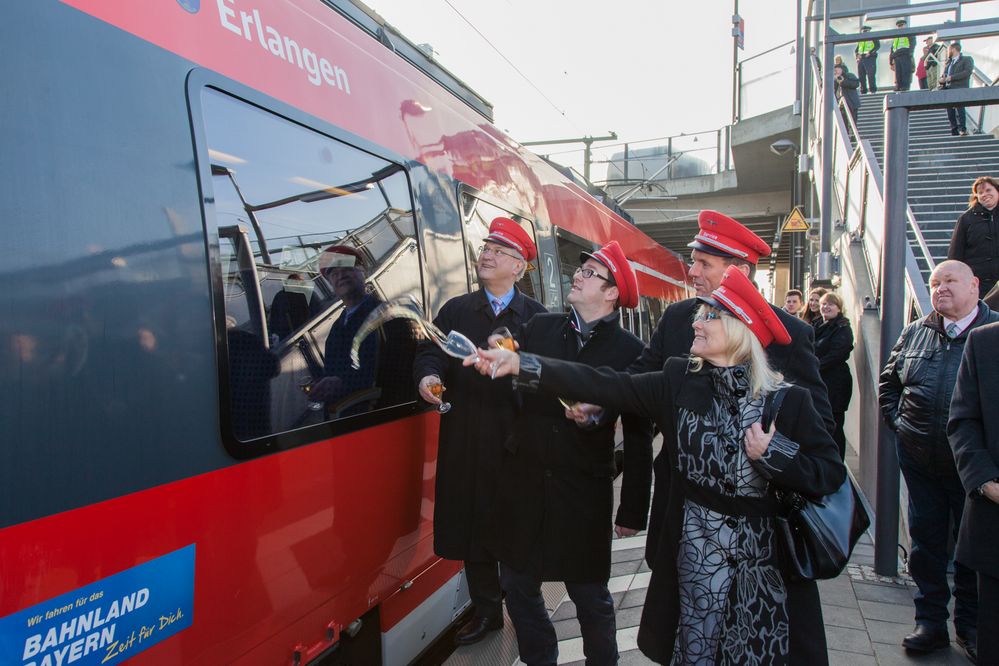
point(795, 221)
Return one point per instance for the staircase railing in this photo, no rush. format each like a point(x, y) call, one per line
point(980, 79)
point(858, 191)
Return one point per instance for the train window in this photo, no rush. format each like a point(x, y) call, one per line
point(312, 235)
point(569, 249)
point(478, 214)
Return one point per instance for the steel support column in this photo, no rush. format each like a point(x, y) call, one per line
point(824, 268)
point(896, 186)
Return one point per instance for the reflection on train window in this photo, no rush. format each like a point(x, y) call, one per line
point(568, 260)
point(478, 215)
point(313, 235)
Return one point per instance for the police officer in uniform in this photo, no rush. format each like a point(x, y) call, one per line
point(867, 63)
point(473, 432)
point(901, 58)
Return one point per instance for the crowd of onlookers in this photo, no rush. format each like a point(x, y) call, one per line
point(933, 393)
point(938, 67)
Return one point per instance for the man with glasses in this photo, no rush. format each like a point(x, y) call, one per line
point(473, 432)
point(553, 511)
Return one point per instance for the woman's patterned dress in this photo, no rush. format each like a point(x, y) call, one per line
point(732, 597)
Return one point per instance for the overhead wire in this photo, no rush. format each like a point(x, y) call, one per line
point(561, 112)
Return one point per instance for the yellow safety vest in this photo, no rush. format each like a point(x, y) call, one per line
point(865, 47)
point(900, 43)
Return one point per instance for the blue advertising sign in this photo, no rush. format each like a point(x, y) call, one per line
point(105, 622)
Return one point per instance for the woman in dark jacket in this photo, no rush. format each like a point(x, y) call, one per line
point(811, 312)
point(976, 236)
point(716, 594)
point(833, 344)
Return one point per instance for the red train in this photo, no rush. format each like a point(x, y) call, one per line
point(172, 170)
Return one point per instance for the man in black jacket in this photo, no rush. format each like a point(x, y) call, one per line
point(915, 395)
point(974, 438)
point(957, 74)
point(721, 242)
point(867, 62)
point(553, 508)
point(472, 433)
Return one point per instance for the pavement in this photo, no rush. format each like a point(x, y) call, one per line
point(866, 615)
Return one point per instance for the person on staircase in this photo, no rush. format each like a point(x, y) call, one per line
point(846, 88)
point(867, 63)
point(976, 236)
point(901, 58)
point(921, 75)
point(935, 61)
point(812, 312)
point(957, 74)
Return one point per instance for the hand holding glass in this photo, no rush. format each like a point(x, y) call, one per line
point(437, 389)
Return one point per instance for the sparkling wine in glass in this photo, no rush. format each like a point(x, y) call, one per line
point(505, 340)
point(437, 389)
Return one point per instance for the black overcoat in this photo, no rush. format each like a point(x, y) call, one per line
point(673, 337)
point(833, 344)
point(974, 436)
point(816, 470)
point(471, 439)
point(554, 504)
point(975, 241)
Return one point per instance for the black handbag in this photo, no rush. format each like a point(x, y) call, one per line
point(815, 537)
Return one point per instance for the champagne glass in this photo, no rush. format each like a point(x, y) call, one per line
point(568, 404)
point(505, 338)
point(437, 389)
point(459, 346)
point(305, 384)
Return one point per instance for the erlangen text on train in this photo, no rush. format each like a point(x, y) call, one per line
point(250, 25)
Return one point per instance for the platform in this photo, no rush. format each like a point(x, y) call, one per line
point(866, 615)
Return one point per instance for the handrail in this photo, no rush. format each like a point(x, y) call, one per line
point(913, 276)
point(983, 78)
point(770, 50)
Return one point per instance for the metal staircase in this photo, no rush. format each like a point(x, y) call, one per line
point(941, 170)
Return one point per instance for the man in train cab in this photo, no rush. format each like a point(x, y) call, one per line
point(793, 301)
point(721, 242)
point(900, 58)
point(915, 396)
point(343, 267)
point(475, 429)
point(552, 516)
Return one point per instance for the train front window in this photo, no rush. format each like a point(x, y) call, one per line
point(312, 234)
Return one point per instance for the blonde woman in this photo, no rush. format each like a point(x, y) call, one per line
point(716, 595)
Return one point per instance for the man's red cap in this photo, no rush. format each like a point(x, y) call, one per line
point(738, 295)
point(720, 235)
point(506, 232)
point(340, 256)
point(611, 256)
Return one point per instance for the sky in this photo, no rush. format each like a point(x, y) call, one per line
point(640, 68)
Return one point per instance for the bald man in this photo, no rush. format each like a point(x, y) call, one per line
point(916, 388)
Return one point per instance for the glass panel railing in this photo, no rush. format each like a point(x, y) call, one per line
point(766, 81)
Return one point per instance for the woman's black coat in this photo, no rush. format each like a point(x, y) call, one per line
point(816, 470)
point(976, 242)
point(833, 344)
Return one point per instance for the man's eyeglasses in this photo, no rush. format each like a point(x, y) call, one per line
point(589, 272)
point(485, 250)
point(708, 316)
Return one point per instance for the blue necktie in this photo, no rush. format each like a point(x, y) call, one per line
point(497, 306)
point(952, 330)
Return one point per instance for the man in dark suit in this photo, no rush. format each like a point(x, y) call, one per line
point(553, 509)
point(473, 432)
point(957, 74)
point(720, 243)
point(974, 437)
